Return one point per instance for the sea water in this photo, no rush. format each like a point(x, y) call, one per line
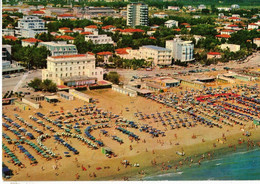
point(242, 165)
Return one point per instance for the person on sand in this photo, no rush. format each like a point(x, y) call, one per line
point(118, 169)
point(83, 168)
point(94, 174)
point(77, 176)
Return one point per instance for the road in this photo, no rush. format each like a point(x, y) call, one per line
point(251, 61)
point(16, 83)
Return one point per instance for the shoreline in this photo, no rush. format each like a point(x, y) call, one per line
point(218, 152)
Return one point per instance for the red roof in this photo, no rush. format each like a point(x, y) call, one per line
point(232, 25)
point(43, 9)
point(5, 15)
point(108, 27)
point(68, 31)
point(256, 38)
point(86, 33)
point(233, 18)
point(223, 36)
point(153, 38)
point(227, 30)
point(117, 30)
point(65, 15)
point(104, 53)
point(253, 24)
point(177, 30)
point(65, 37)
point(9, 37)
point(92, 26)
point(64, 28)
point(122, 50)
point(69, 56)
point(31, 40)
point(130, 30)
point(90, 53)
point(78, 29)
point(38, 12)
point(185, 24)
point(214, 53)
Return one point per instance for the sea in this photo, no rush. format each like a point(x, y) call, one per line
point(242, 165)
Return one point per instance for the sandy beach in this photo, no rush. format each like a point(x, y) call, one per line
point(150, 153)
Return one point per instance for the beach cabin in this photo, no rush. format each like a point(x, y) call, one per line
point(81, 96)
point(52, 99)
point(126, 91)
point(65, 95)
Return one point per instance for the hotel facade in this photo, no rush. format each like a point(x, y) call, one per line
point(72, 70)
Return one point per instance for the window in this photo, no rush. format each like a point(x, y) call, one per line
point(95, 73)
point(66, 69)
point(79, 67)
point(61, 69)
point(61, 75)
point(77, 62)
point(70, 68)
point(79, 73)
point(83, 67)
point(56, 69)
point(92, 73)
point(66, 74)
point(83, 73)
point(56, 75)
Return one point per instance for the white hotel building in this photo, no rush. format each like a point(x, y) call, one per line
point(72, 70)
point(29, 26)
point(157, 55)
point(181, 50)
point(99, 39)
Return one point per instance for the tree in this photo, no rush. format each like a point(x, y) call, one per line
point(36, 84)
point(113, 77)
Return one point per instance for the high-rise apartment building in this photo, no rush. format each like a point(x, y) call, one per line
point(181, 50)
point(29, 26)
point(137, 14)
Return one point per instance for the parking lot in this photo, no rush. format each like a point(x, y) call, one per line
point(9, 84)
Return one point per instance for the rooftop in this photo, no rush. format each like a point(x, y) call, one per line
point(154, 47)
point(56, 44)
point(31, 40)
point(69, 56)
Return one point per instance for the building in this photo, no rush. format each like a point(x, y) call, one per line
point(94, 11)
point(181, 50)
point(157, 55)
point(7, 32)
point(65, 16)
point(62, 30)
point(60, 48)
point(201, 7)
point(175, 8)
point(161, 15)
point(29, 26)
point(231, 47)
point(105, 56)
point(252, 26)
point(214, 55)
point(171, 23)
point(235, 6)
point(257, 41)
point(6, 53)
point(72, 70)
point(91, 28)
point(99, 39)
point(108, 28)
point(30, 42)
point(137, 14)
point(227, 31)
